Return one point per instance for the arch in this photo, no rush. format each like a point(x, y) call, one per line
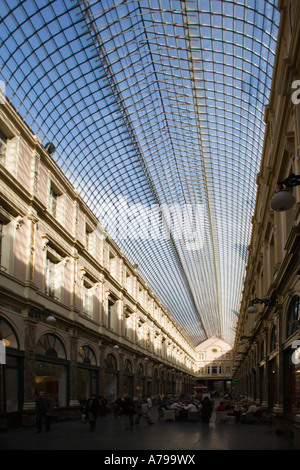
point(49, 344)
point(111, 362)
point(87, 356)
point(140, 369)
point(128, 366)
point(293, 316)
point(8, 334)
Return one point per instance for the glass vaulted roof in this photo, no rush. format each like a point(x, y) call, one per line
point(156, 109)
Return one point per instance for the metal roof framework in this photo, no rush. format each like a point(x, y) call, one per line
point(156, 109)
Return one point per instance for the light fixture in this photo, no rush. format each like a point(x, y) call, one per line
point(267, 302)
point(245, 337)
point(51, 319)
point(283, 200)
point(116, 346)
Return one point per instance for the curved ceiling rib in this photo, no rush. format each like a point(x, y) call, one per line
point(156, 111)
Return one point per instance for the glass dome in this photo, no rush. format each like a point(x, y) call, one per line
point(156, 112)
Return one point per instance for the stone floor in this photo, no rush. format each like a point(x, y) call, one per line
point(111, 435)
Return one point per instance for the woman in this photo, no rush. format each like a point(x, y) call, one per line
point(206, 410)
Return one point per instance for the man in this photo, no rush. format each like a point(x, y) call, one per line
point(143, 411)
point(43, 410)
point(92, 410)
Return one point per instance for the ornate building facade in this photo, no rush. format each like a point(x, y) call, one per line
point(267, 359)
point(109, 334)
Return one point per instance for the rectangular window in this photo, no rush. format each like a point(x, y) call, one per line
point(53, 200)
point(113, 265)
point(127, 318)
point(50, 275)
point(111, 315)
point(87, 297)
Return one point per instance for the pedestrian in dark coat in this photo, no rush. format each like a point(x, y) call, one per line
point(92, 410)
point(128, 411)
point(206, 410)
point(43, 412)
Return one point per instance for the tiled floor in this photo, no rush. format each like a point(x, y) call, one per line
point(111, 435)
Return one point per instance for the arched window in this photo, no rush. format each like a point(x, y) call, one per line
point(140, 370)
point(273, 340)
point(50, 345)
point(87, 373)
point(10, 374)
point(293, 316)
point(87, 356)
point(51, 369)
point(7, 334)
point(111, 362)
point(128, 367)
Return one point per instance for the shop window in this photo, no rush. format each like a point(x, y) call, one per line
point(51, 369)
point(111, 379)
point(10, 370)
point(87, 373)
point(293, 316)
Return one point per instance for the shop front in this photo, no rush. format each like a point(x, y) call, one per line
point(11, 375)
point(111, 379)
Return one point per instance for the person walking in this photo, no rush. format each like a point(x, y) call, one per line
point(43, 412)
point(128, 412)
point(206, 410)
point(143, 411)
point(92, 410)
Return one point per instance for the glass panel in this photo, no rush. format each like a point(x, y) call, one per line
point(12, 389)
point(293, 382)
point(51, 345)
point(8, 335)
point(110, 387)
point(52, 379)
point(83, 386)
point(156, 111)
